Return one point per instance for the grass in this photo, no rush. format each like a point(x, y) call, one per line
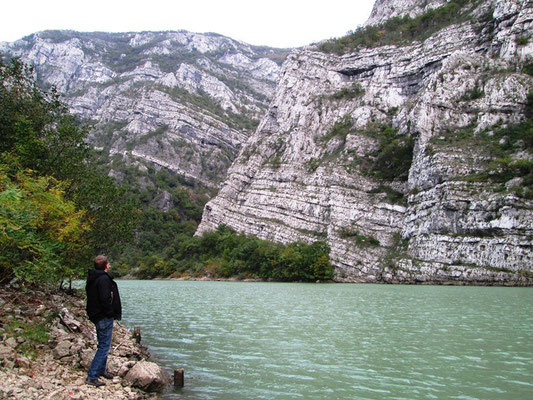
point(350, 93)
point(358, 238)
point(391, 195)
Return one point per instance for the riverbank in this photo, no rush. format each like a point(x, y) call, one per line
point(518, 281)
point(48, 344)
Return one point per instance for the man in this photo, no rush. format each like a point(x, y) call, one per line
point(103, 307)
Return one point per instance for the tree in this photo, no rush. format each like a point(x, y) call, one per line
point(37, 130)
point(40, 229)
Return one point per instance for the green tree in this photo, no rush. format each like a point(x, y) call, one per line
point(37, 129)
point(40, 229)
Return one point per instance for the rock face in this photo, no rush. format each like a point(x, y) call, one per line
point(305, 174)
point(385, 9)
point(177, 100)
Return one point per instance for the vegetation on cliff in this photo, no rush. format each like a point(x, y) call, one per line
point(59, 207)
point(224, 254)
point(401, 30)
point(508, 150)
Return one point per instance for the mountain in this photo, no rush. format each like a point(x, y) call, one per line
point(406, 146)
point(181, 101)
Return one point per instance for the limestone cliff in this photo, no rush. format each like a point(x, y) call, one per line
point(179, 100)
point(312, 169)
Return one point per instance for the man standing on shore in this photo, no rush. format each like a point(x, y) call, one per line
point(103, 307)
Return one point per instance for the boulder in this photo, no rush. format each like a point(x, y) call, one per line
point(62, 349)
point(6, 352)
point(147, 376)
point(86, 357)
point(117, 366)
point(22, 362)
point(11, 342)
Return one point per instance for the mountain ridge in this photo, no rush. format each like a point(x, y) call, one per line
point(324, 163)
point(155, 97)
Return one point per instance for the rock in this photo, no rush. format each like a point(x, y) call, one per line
point(518, 181)
point(125, 367)
point(11, 342)
point(40, 310)
point(6, 352)
point(147, 376)
point(86, 358)
point(63, 349)
point(295, 180)
point(165, 203)
point(22, 362)
point(68, 319)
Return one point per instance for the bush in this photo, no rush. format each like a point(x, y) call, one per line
point(400, 30)
point(37, 133)
point(41, 229)
point(224, 253)
point(394, 156)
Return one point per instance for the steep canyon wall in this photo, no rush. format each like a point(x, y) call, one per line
point(309, 171)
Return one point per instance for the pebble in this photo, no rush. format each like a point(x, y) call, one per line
point(49, 377)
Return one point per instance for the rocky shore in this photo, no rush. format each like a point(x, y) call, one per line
point(47, 345)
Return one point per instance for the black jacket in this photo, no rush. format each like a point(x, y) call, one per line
point(103, 299)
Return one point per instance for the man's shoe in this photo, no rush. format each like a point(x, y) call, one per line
point(107, 375)
point(94, 382)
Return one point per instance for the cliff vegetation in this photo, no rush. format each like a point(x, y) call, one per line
point(402, 30)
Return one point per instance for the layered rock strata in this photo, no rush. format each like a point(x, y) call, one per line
point(302, 177)
point(176, 100)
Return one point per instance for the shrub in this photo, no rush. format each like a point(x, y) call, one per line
point(41, 230)
point(393, 158)
point(522, 41)
point(356, 90)
point(400, 30)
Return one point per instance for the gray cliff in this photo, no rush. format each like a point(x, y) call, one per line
point(306, 173)
point(177, 100)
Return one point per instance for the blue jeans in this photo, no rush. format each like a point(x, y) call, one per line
point(104, 333)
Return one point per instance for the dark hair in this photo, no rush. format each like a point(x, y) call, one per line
point(100, 262)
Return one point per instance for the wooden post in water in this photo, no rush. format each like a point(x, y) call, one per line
point(137, 334)
point(179, 378)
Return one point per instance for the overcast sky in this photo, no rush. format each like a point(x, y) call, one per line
point(276, 23)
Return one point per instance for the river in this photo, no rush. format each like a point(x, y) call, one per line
point(250, 340)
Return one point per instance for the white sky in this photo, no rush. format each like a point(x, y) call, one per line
point(276, 23)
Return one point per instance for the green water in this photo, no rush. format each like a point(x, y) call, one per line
point(242, 340)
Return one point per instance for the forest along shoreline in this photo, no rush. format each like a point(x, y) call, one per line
point(48, 344)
